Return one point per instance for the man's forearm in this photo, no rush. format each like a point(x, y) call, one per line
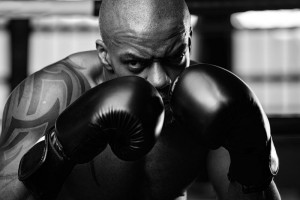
point(235, 192)
point(12, 189)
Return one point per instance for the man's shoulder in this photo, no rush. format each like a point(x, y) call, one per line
point(85, 59)
point(84, 64)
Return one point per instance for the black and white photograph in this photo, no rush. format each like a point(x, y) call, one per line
point(149, 100)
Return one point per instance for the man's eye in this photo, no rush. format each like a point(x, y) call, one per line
point(181, 57)
point(133, 63)
point(177, 59)
point(135, 66)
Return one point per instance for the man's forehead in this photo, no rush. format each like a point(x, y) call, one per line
point(146, 23)
point(149, 47)
point(162, 30)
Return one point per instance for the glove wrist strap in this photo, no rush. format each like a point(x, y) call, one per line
point(44, 168)
point(252, 188)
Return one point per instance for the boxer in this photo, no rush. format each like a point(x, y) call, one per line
point(208, 118)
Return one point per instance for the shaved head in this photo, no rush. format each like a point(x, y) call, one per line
point(147, 38)
point(143, 17)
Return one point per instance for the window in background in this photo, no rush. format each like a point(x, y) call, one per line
point(56, 37)
point(266, 54)
point(4, 66)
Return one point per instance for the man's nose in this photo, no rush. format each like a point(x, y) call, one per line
point(158, 77)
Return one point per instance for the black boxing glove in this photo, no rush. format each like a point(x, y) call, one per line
point(220, 110)
point(126, 113)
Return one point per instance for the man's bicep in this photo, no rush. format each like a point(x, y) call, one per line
point(32, 109)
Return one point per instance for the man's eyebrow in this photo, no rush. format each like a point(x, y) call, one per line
point(181, 49)
point(128, 56)
point(132, 56)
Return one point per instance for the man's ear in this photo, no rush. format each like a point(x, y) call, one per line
point(103, 54)
point(190, 39)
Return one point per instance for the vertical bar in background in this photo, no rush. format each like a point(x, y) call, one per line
point(4, 66)
point(5, 51)
point(215, 32)
point(19, 30)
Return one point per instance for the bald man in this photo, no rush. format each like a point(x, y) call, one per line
point(150, 39)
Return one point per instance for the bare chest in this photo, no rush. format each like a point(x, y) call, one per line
point(171, 166)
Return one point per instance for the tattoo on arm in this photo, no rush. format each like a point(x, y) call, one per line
point(32, 109)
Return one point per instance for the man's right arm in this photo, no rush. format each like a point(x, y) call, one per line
point(30, 111)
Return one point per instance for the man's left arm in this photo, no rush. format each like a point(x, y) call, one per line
point(218, 162)
point(221, 111)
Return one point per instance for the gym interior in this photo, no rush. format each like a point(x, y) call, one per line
point(259, 40)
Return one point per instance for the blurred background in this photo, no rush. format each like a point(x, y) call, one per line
point(259, 40)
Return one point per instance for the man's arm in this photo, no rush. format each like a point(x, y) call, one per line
point(30, 111)
point(220, 110)
point(218, 165)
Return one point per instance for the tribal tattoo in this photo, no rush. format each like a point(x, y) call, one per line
point(32, 109)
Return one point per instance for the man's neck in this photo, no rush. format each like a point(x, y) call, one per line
point(90, 65)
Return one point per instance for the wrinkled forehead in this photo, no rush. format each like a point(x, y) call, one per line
point(151, 36)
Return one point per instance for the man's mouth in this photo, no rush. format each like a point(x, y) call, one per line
point(166, 99)
point(168, 113)
point(164, 93)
